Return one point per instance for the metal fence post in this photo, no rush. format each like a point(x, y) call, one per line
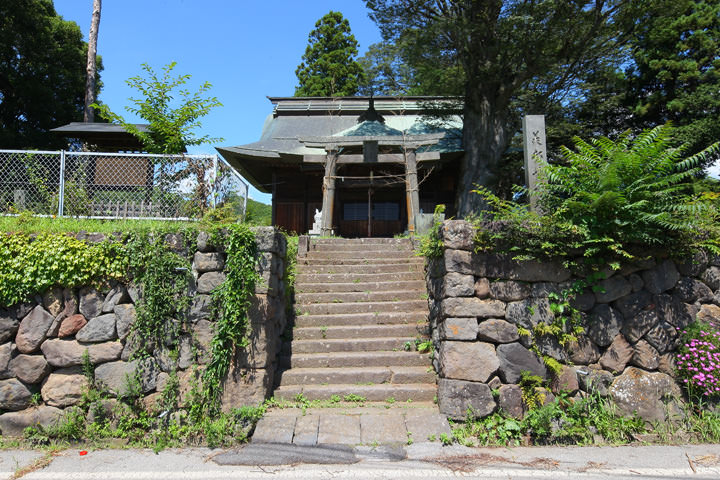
point(61, 191)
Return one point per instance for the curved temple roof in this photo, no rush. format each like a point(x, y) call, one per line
point(295, 118)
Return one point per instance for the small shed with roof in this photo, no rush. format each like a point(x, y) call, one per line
point(370, 165)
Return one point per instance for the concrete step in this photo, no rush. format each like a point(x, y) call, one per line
point(342, 345)
point(359, 331)
point(381, 318)
point(321, 260)
point(360, 307)
point(351, 375)
point(359, 247)
point(360, 241)
point(355, 359)
point(366, 296)
point(375, 268)
point(359, 254)
point(303, 278)
point(304, 286)
point(419, 392)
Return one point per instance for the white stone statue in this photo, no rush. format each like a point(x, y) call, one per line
point(316, 223)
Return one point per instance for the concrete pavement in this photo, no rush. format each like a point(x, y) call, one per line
point(420, 460)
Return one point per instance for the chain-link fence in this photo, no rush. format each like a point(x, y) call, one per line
point(117, 185)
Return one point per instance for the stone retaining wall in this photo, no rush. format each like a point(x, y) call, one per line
point(42, 342)
point(478, 301)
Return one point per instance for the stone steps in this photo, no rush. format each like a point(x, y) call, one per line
point(358, 331)
point(319, 259)
point(365, 376)
point(344, 345)
point(374, 268)
point(359, 319)
point(303, 278)
point(420, 392)
point(303, 286)
point(355, 359)
point(360, 306)
point(364, 296)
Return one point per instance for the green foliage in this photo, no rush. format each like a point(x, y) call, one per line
point(611, 201)
point(328, 67)
point(172, 125)
point(231, 301)
point(532, 394)
point(43, 72)
point(431, 244)
point(258, 213)
point(32, 265)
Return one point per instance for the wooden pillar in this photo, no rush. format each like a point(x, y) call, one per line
point(411, 188)
point(328, 191)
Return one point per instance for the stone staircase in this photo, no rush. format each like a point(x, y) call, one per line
point(360, 305)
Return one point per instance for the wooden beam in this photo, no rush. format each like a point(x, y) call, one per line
point(328, 192)
point(382, 158)
point(410, 141)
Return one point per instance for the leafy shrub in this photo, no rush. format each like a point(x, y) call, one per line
point(611, 199)
point(698, 361)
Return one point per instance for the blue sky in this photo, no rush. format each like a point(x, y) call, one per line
point(246, 49)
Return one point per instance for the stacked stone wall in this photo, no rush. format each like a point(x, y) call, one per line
point(43, 341)
point(478, 303)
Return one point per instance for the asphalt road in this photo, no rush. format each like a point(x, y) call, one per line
point(428, 461)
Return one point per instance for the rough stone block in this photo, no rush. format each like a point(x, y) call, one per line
point(584, 301)
point(689, 290)
point(460, 261)
point(33, 330)
point(64, 387)
point(515, 359)
point(661, 278)
point(52, 301)
point(482, 288)
point(339, 429)
point(634, 328)
point(711, 277)
point(91, 302)
point(117, 375)
point(528, 313)
point(209, 281)
point(458, 235)
point(62, 353)
point(510, 401)
point(455, 397)
point(650, 395)
point(71, 325)
point(603, 324)
point(497, 331)
point(14, 395)
point(645, 356)
point(125, 316)
point(30, 368)
point(200, 308)
point(208, 262)
point(459, 329)
point(458, 285)
point(593, 380)
point(98, 329)
point(662, 336)
point(509, 291)
point(694, 266)
point(8, 324)
point(270, 240)
point(117, 296)
point(709, 314)
point(13, 424)
point(612, 288)
point(583, 351)
point(474, 361)
point(565, 381)
point(618, 355)
point(472, 307)
point(632, 304)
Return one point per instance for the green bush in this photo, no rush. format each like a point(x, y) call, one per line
point(611, 200)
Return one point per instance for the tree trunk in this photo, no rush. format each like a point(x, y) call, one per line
point(485, 139)
point(89, 113)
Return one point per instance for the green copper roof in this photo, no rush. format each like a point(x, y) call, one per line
point(369, 129)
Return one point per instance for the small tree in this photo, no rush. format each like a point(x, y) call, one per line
point(328, 66)
point(171, 126)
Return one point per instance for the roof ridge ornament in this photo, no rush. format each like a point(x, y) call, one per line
point(371, 115)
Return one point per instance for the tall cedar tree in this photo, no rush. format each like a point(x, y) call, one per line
point(329, 67)
point(501, 50)
point(42, 74)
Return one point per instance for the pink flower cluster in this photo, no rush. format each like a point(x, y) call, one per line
point(699, 364)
